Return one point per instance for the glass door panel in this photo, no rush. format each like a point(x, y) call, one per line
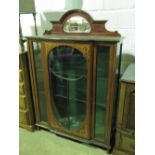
point(67, 75)
point(40, 81)
point(102, 67)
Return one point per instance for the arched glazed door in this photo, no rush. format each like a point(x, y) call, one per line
point(68, 86)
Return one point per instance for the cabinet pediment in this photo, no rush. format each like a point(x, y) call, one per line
point(78, 21)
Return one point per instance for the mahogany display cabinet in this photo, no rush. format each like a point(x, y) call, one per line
point(75, 68)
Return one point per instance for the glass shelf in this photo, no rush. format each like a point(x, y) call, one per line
point(68, 76)
point(66, 97)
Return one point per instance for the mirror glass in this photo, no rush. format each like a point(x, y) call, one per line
point(67, 73)
point(77, 24)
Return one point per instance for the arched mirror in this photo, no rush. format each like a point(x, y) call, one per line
point(77, 24)
point(67, 68)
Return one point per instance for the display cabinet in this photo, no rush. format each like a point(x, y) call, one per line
point(74, 73)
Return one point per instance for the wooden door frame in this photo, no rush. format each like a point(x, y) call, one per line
point(85, 48)
point(33, 78)
point(110, 94)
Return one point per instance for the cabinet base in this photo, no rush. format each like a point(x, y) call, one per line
point(77, 139)
point(122, 152)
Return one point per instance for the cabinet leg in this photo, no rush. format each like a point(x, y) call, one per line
point(109, 151)
point(37, 128)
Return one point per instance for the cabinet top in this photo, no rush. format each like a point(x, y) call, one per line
point(129, 74)
point(67, 37)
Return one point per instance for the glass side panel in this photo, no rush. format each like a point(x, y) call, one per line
point(101, 90)
point(40, 82)
point(67, 68)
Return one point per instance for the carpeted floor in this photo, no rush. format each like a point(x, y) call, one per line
point(44, 143)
